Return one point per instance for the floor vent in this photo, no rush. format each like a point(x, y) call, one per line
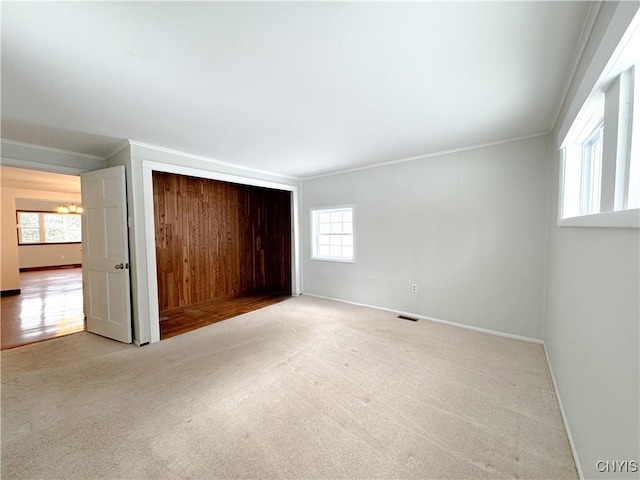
point(404, 317)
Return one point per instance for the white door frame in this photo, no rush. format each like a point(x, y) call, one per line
point(148, 167)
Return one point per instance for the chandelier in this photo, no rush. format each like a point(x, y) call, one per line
point(72, 208)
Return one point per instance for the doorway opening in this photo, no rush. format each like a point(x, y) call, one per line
point(46, 296)
point(222, 249)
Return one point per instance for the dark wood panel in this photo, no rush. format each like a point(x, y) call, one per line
point(181, 320)
point(216, 240)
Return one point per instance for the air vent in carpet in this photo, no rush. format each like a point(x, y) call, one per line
point(404, 317)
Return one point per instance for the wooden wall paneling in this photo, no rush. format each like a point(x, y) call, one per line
point(216, 240)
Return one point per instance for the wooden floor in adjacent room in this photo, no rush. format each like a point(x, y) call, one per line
point(181, 320)
point(49, 306)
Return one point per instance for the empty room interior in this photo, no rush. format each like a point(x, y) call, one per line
point(320, 239)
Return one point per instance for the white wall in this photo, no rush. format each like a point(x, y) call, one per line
point(593, 310)
point(10, 279)
point(592, 337)
point(31, 256)
point(469, 228)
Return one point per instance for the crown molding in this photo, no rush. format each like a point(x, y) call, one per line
point(210, 160)
point(428, 155)
point(118, 149)
point(50, 149)
point(18, 163)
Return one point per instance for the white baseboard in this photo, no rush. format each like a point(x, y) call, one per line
point(423, 317)
point(490, 332)
point(574, 452)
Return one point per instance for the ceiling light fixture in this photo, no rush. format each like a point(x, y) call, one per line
point(73, 208)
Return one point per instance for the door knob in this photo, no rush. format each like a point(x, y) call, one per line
point(120, 266)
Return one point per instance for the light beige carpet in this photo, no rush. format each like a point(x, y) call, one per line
point(307, 388)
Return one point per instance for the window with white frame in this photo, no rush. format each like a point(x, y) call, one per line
point(633, 198)
point(42, 227)
point(332, 234)
point(600, 174)
point(591, 173)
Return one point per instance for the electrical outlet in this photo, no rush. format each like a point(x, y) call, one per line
point(62, 257)
point(414, 288)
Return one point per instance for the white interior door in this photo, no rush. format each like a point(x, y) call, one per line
point(105, 254)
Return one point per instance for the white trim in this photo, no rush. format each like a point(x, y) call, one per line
point(51, 149)
point(589, 117)
point(620, 219)
point(562, 165)
point(296, 275)
point(618, 18)
point(574, 452)
point(296, 282)
point(43, 167)
point(587, 27)
point(428, 155)
point(124, 145)
point(209, 160)
point(152, 270)
point(432, 319)
point(224, 177)
point(331, 259)
point(147, 180)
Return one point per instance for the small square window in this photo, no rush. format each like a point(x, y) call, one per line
point(332, 234)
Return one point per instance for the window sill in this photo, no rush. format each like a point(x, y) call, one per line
point(329, 259)
point(619, 219)
point(49, 243)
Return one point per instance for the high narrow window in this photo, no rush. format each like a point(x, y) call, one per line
point(633, 200)
point(332, 234)
point(600, 176)
point(591, 174)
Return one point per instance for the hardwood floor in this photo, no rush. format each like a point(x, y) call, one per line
point(181, 320)
point(49, 306)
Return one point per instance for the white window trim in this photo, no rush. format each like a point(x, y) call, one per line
point(616, 85)
point(629, 218)
point(618, 219)
point(312, 236)
point(594, 194)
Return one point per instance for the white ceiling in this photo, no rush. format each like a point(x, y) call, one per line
point(292, 88)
